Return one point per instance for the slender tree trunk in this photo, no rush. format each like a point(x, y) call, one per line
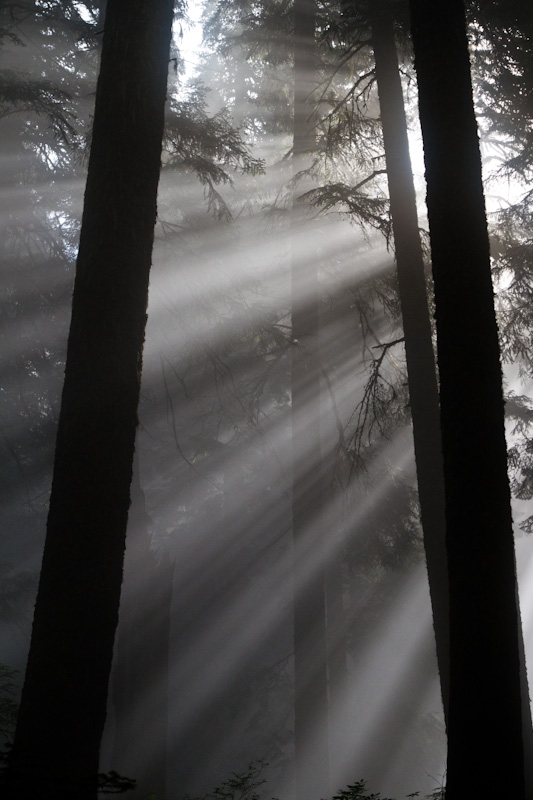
point(336, 657)
point(63, 706)
point(485, 746)
point(310, 654)
point(421, 370)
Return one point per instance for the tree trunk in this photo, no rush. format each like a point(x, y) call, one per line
point(421, 371)
point(63, 706)
point(337, 667)
point(310, 654)
point(485, 748)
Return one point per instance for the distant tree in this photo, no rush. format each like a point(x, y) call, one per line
point(501, 33)
point(63, 705)
point(311, 739)
point(485, 747)
point(502, 37)
point(421, 371)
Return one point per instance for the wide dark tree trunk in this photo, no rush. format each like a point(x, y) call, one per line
point(63, 706)
point(421, 369)
point(310, 653)
point(485, 749)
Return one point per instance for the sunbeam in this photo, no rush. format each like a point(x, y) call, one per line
point(282, 604)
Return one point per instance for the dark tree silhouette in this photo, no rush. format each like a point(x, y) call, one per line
point(421, 371)
point(63, 706)
point(485, 749)
point(311, 739)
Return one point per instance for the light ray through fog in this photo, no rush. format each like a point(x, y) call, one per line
point(238, 283)
point(225, 630)
point(230, 614)
point(214, 441)
point(247, 621)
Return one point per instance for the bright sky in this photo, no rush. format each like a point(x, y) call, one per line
point(191, 40)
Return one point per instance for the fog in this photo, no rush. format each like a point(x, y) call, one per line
point(203, 680)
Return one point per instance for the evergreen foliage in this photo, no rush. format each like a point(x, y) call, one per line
point(247, 785)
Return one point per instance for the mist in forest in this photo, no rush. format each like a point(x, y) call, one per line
point(239, 416)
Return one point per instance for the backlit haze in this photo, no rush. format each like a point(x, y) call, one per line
point(209, 536)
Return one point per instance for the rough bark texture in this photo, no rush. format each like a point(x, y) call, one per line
point(421, 370)
point(310, 655)
point(485, 750)
point(63, 706)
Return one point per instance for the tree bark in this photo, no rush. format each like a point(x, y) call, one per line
point(310, 652)
point(421, 369)
point(485, 747)
point(63, 706)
